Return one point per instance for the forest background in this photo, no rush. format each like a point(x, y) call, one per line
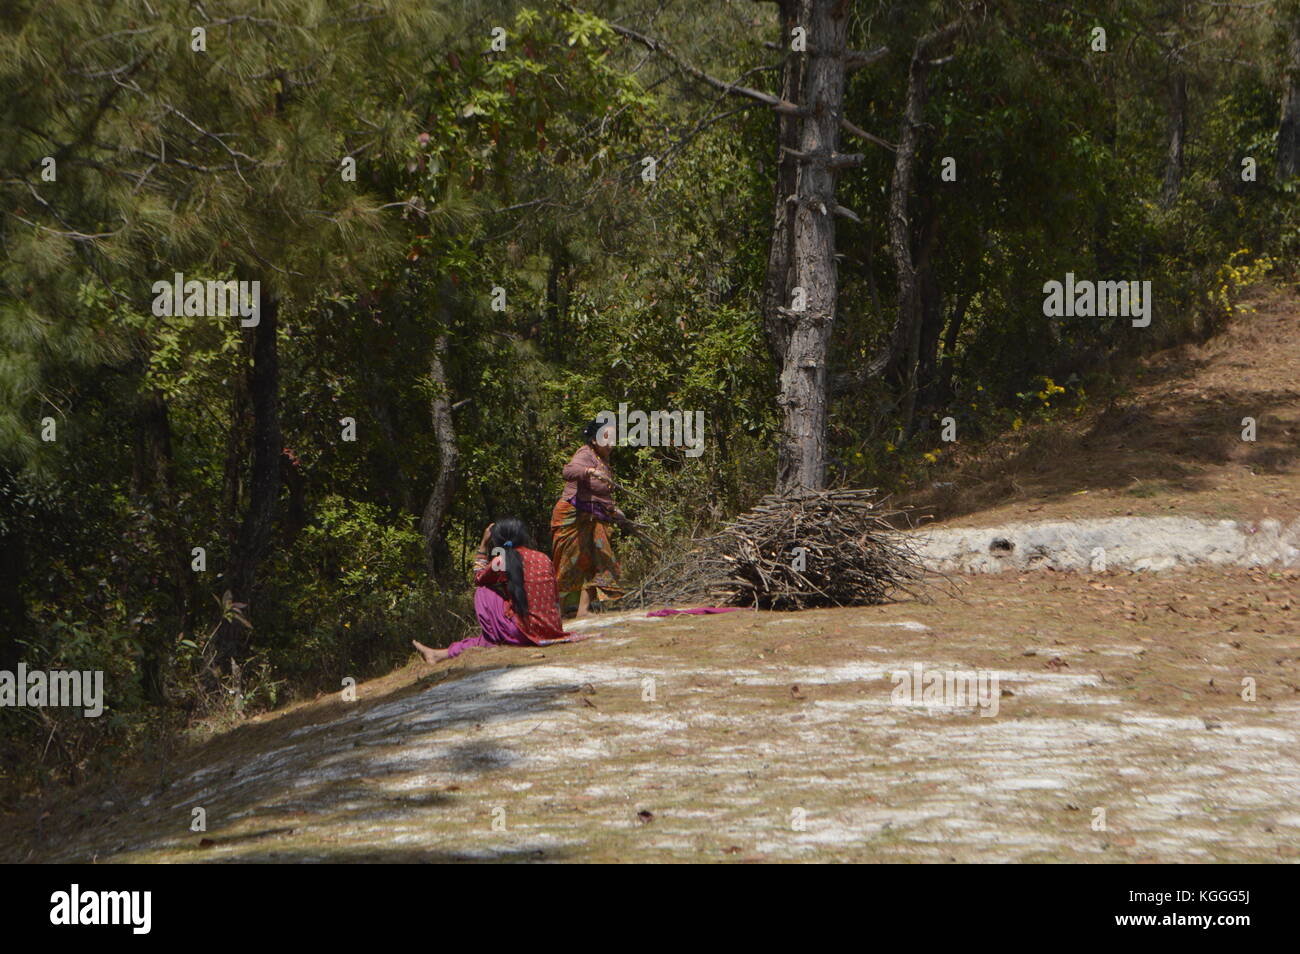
point(129, 155)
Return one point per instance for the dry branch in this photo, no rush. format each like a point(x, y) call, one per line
point(797, 551)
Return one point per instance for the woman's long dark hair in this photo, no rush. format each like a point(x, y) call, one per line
point(511, 533)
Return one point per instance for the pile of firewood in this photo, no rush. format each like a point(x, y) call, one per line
point(828, 548)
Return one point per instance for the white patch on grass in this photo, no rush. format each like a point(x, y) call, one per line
point(1133, 543)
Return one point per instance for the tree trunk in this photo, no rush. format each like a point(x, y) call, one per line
point(900, 355)
point(924, 382)
point(1105, 242)
point(444, 432)
point(295, 485)
point(381, 409)
point(917, 371)
point(1288, 133)
point(15, 624)
point(944, 390)
point(232, 476)
point(1177, 131)
point(152, 479)
point(873, 287)
point(777, 282)
point(804, 333)
point(893, 360)
point(254, 535)
point(801, 286)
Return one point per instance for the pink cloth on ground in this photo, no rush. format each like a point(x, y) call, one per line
point(697, 611)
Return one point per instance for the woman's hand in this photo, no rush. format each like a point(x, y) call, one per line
point(487, 537)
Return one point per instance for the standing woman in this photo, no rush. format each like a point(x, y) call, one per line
point(584, 560)
point(514, 596)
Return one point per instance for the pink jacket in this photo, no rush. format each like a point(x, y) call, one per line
point(584, 488)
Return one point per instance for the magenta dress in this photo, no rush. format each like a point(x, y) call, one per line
point(496, 627)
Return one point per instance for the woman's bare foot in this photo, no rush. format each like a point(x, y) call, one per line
point(430, 656)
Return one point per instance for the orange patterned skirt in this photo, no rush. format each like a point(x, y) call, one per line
point(581, 552)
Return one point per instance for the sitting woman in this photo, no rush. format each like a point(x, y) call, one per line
point(584, 559)
point(514, 597)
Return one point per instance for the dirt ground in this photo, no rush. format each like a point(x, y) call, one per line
point(1118, 691)
point(1141, 716)
point(1169, 444)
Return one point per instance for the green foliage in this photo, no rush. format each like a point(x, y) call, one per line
point(353, 597)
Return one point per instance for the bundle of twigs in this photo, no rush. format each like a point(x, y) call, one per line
point(637, 529)
point(825, 548)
